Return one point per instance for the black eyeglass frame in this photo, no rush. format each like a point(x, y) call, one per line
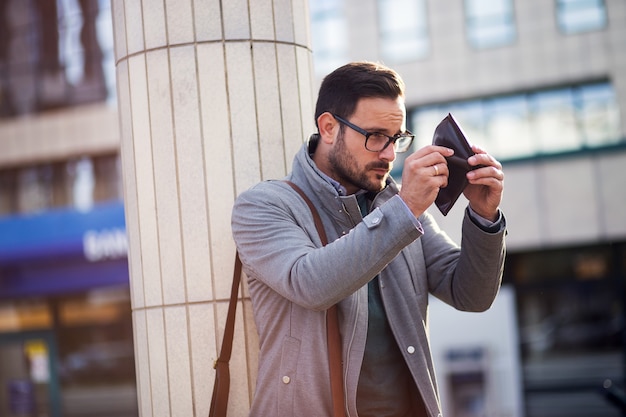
point(390, 139)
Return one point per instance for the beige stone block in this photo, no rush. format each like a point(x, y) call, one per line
point(154, 23)
point(133, 26)
point(190, 165)
point(243, 124)
point(144, 391)
point(157, 356)
point(178, 361)
point(236, 17)
point(179, 15)
point(118, 12)
point(202, 340)
point(308, 95)
point(217, 160)
point(283, 20)
point(165, 177)
point(144, 177)
point(262, 20)
point(292, 116)
point(127, 156)
point(208, 20)
point(301, 23)
point(271, 144)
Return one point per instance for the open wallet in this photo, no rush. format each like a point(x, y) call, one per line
point(449, 134)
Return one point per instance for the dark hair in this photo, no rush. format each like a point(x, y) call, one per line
point(344, 87)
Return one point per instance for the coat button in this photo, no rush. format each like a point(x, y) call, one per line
point(286, 379)
point(410, 349)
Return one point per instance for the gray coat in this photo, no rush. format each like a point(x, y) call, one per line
point(293, 280)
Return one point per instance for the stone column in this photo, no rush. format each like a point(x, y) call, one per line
point(213, 97)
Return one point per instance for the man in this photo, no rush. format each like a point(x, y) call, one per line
point(385, 255)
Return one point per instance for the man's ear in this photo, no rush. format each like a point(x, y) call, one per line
point(328, 127)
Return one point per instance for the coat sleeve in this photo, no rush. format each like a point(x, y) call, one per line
point(466, 277)
point(279, 246)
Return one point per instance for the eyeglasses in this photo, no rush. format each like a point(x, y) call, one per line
point(376, 141)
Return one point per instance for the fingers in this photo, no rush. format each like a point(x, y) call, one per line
point(484, 159)
point(486, 184)
point(438, 170)
point(489, 168)
point(489, 172)
point(424, 173)
point(432, 150)
point(430, 163)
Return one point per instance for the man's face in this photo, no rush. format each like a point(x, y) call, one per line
point(350, 163)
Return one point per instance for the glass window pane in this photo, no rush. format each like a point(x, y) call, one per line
point(95, 341)
point(489, 23)
point(403, 30)
point(599, 115)
point(83, 183)
point(24, 314)
point(329, 35)
point(554, 121)
point(470, 117)
point(574, 16)
point(508, 128)
point(423, 123)
point(8, 192)
point(525, 125)
point(61, 55)
point(34, 189)
point(108, 178)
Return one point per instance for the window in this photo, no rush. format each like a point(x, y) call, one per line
point(79, 183)
point(8, 185)
point(508, 127)
point(81, 177)
point(54, 54)
point(35, 189)
point(403, 29)
point(570, 313)
point(554, 121)
point(575, 16)
point(599, 114)
point(489, 23)
point(535, 123)
point(329, 31)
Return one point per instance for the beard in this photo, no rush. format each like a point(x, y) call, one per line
point(347, 170)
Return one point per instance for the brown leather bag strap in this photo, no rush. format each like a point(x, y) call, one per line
point(219, 401)
point(316, 216)
point(332, 324)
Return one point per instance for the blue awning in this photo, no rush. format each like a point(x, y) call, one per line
point(63, 251)
point(95, 235)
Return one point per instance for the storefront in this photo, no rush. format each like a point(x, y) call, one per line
point(66, 341)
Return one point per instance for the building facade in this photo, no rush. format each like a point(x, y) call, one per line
point(542, 86)
point(66, 340)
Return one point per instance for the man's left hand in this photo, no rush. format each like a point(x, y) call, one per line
point(486, 184)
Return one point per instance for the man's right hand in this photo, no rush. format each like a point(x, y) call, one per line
point(425, 172)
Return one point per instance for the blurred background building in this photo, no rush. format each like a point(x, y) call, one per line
point(540, 84)
point(66, 345)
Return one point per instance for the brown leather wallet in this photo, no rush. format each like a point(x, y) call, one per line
point(449, 134)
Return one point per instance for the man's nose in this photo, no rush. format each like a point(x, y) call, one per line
point(388, 154)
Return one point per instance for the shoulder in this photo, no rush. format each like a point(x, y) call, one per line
point(266, 192)
point(268, 196)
